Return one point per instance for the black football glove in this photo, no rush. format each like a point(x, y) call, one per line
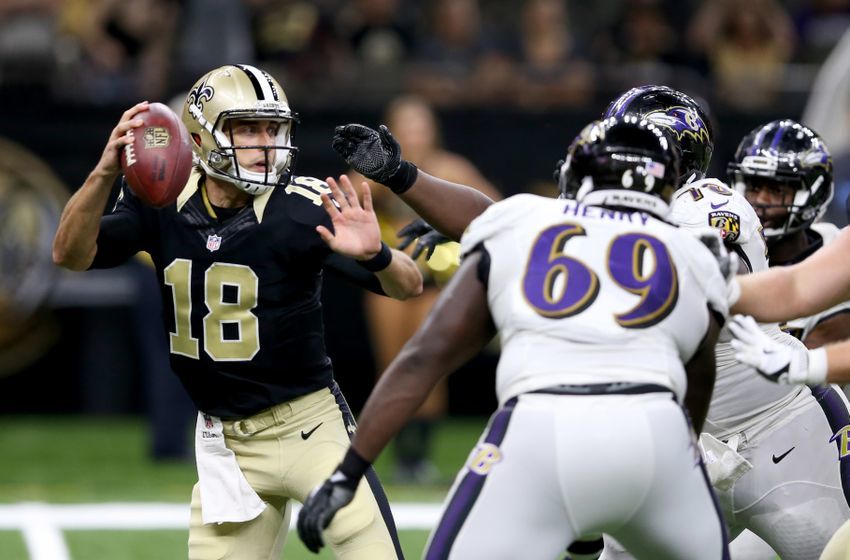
point(426, 237)
point(374, 154)
point(321, 506)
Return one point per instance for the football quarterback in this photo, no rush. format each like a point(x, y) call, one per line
point(240, 257)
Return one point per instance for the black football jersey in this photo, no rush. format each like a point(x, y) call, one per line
point(241, 296)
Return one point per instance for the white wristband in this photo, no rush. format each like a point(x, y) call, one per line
point(817, 367)
point(733, 292)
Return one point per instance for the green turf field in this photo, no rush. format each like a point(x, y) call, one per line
point(156, 545)
point(84, 460)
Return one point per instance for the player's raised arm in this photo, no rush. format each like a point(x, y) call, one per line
point(806, 288)
point(75, 244)
point(458, 327)
point(356, 234)
point(447, 206)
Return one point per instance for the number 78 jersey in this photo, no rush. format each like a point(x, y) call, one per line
point(585, 294)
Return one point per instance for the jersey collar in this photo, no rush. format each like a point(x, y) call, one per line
point(192, 186)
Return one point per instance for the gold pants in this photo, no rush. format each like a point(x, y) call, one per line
point(282, 464)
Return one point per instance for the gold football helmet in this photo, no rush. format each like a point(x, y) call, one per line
point(239, 92)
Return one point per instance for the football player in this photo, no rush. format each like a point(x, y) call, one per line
point(816, 280)
point(604, 279)
point(686, 123)
point(785, 170)
point(790, 179)
point(739, 418)
point(449, 207)
point(769, 448)
point(240, 258)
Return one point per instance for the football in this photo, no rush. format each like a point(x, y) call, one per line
point(158, 162)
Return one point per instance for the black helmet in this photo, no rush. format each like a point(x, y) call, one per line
point(682, 118)
point(623, 162)
point(786, 152)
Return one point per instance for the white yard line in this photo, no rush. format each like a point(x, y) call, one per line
point(42, 524)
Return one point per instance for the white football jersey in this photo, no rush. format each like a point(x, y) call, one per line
point(583, 294)
point(802, 327)
point(741, 396)
point(710, 203)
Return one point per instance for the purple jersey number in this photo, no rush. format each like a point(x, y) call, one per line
point(547, 263)
point(657, 287)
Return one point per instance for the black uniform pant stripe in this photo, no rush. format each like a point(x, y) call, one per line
point(836, 414)
point(467, 491)
point(371, 475)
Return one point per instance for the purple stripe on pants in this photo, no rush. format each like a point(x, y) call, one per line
point(467, 491)
point(838, 417)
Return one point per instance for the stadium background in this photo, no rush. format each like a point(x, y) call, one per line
point(512, 82)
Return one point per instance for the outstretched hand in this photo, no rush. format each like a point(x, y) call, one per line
point(777, 362)
point(372, 153)
point(426, 237)
point(356, 233)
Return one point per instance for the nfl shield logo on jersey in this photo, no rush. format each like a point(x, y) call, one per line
point(213, 242)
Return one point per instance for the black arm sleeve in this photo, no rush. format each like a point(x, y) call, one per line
point(483, 269)
point(121, 232)
point(347, 268)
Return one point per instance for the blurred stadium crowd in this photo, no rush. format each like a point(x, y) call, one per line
point(533, 54)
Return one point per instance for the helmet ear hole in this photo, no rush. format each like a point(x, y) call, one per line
point(196, 138)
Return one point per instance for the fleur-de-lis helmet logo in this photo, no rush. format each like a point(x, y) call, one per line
point(202, 92)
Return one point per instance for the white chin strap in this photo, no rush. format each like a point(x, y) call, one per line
point(253, 182)
point(244, 181)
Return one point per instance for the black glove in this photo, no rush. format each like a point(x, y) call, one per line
point(321, 506)
point(374, 154)
point(426, 236)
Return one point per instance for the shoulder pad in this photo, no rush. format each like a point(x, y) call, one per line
point(827, 230)
point(308, 187)
point(497, 218)
point(711, 203)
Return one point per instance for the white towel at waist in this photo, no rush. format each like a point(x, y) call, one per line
point(226, 495)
